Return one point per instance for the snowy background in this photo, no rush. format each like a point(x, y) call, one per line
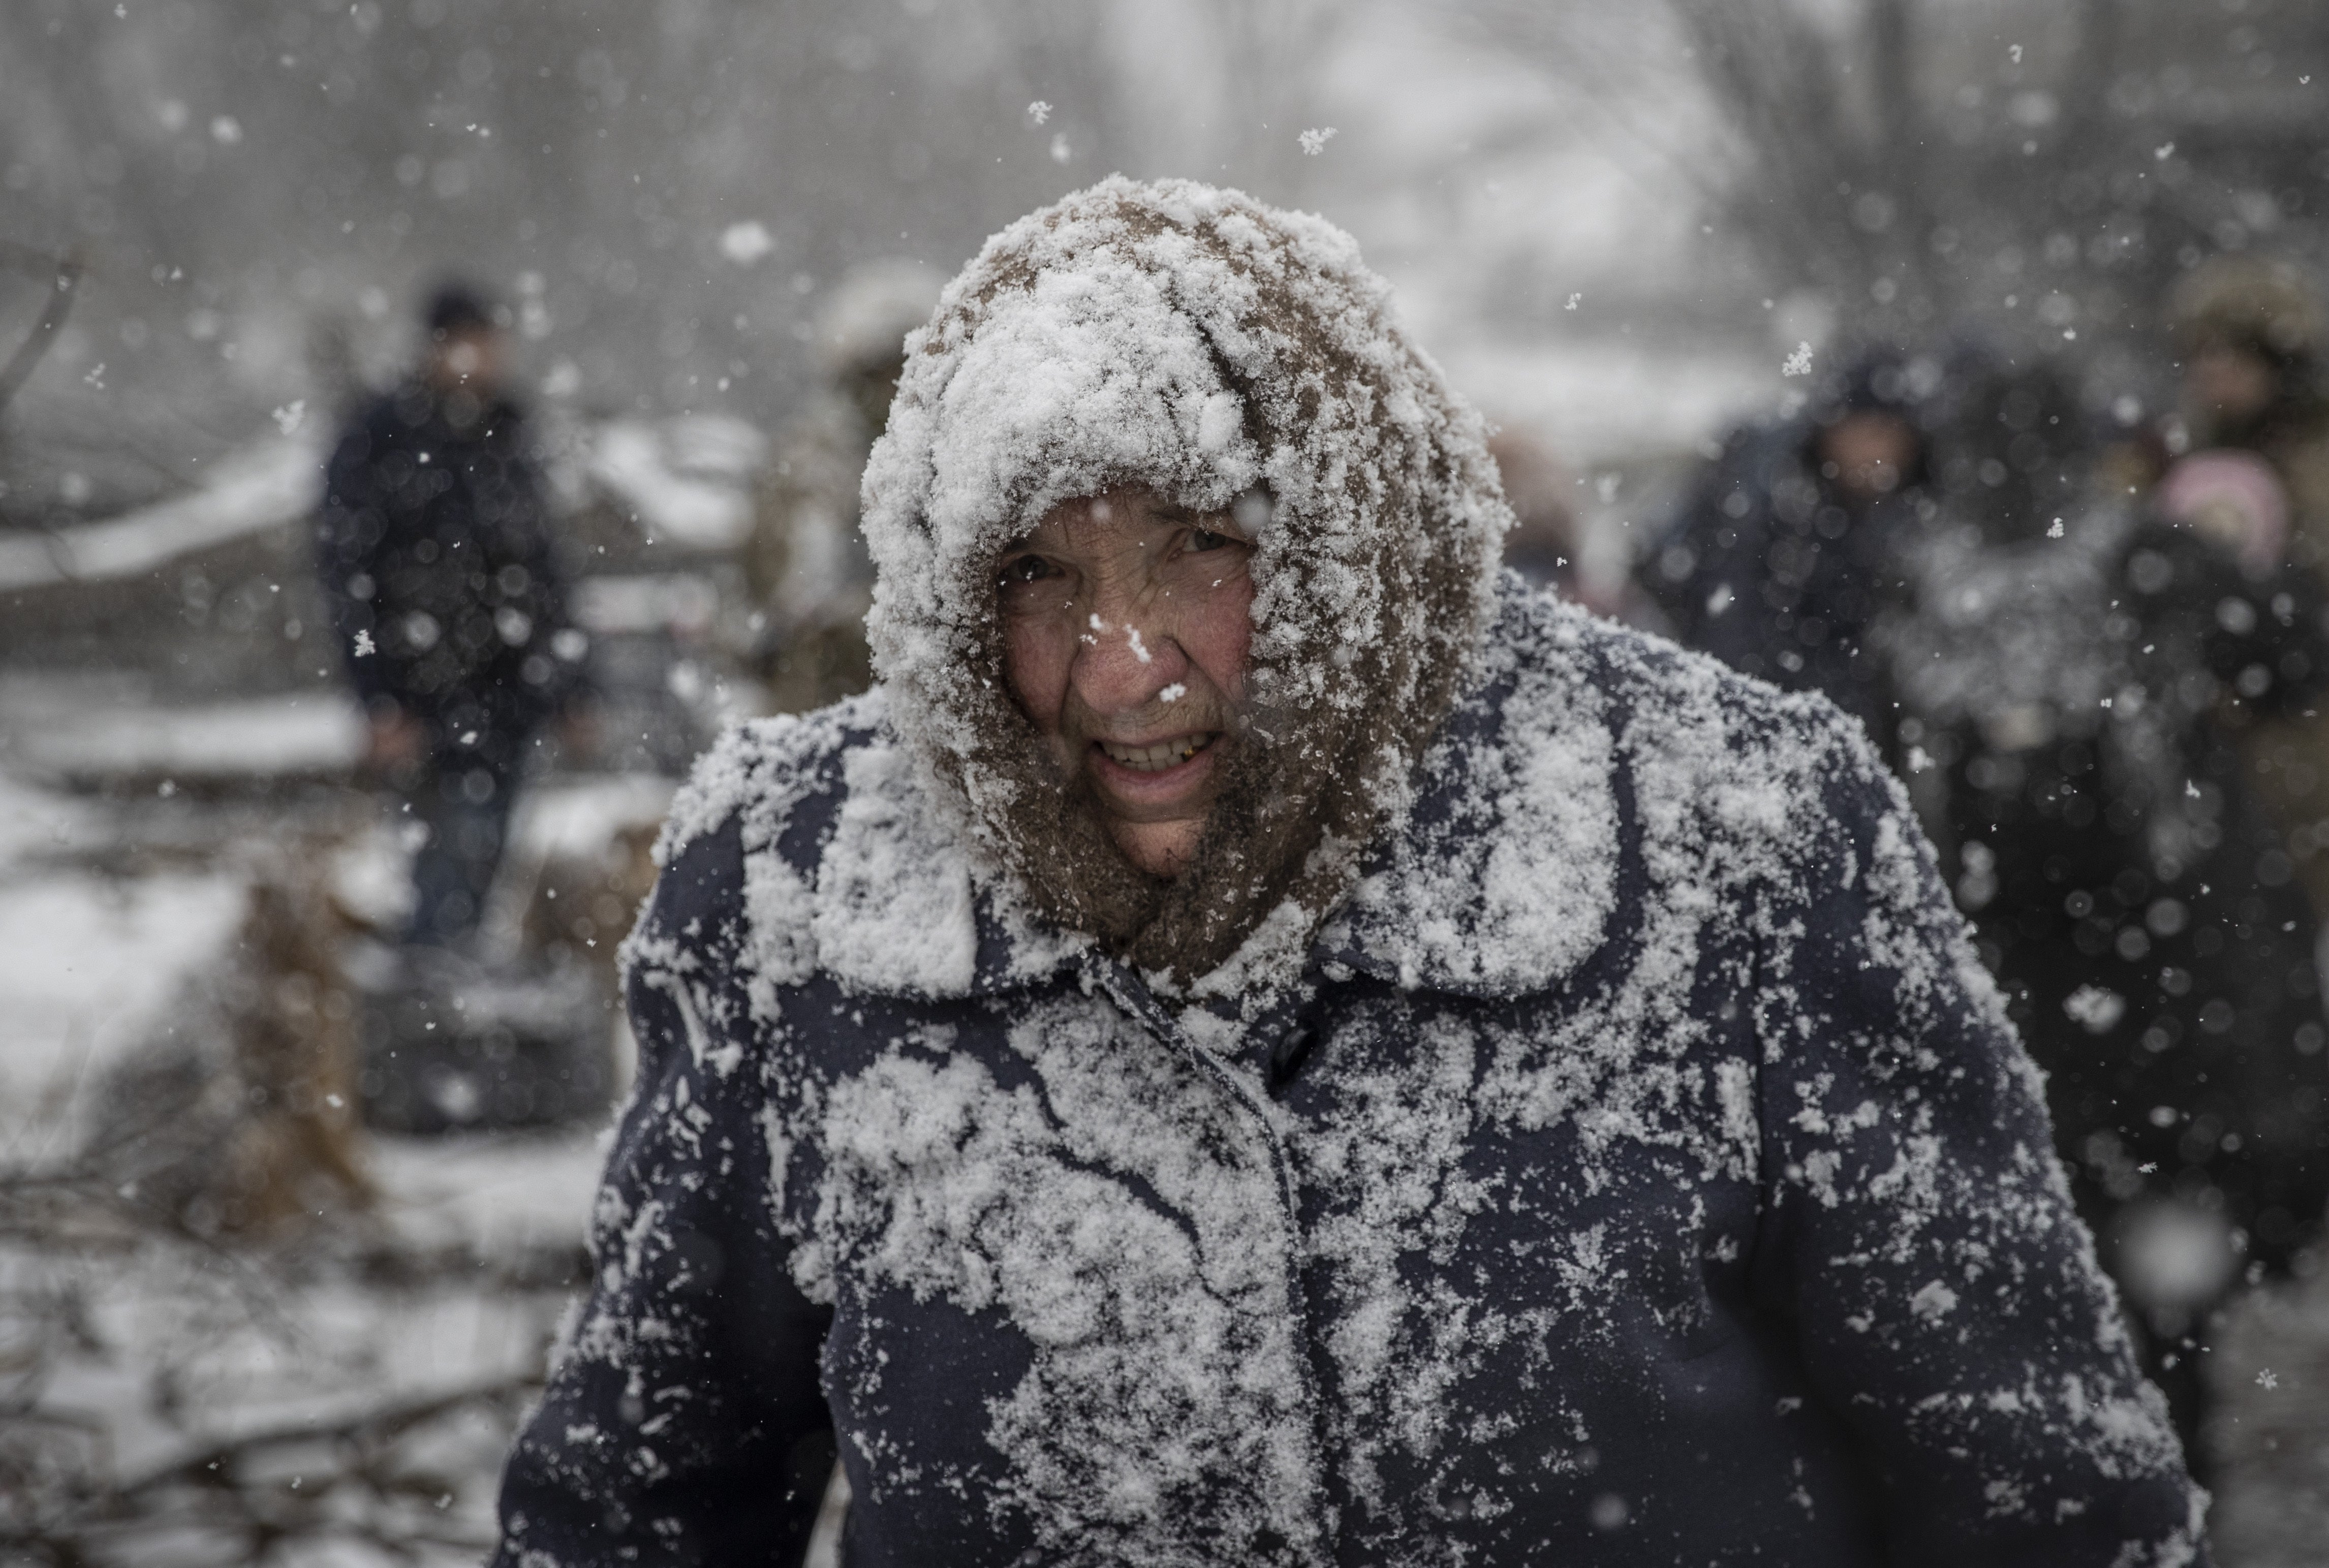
point(1616, 226)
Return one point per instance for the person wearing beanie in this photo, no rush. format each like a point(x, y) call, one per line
point(1261, 1039)
point(448, 601)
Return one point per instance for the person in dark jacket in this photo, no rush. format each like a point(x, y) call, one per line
point(1778, 560)
point(2081, 672)
point(1262, 1040)
point(448, 602)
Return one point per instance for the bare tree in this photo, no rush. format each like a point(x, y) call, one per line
point(1839, 146)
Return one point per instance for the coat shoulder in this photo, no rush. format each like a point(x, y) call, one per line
point(1724, 766)
point(1736, 724)
point(839, 863)
point(761, 773)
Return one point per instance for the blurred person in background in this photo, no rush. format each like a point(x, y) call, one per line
point(1550, 544)
point(1778, 562)
point(2249, 334)
point(806, 565)
point(450, 605)
point(2081, 670)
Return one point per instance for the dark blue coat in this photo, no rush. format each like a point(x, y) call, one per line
point(1640, 1172)
point(434, 551)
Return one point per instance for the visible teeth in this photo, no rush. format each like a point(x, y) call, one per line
point(1164, 753)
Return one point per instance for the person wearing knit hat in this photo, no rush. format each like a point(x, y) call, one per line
point(1263, 1040)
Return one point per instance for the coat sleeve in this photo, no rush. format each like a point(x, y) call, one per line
point(684, 1420)
point(1920, 1235)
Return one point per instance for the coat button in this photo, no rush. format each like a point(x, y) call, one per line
point(1286, 1056)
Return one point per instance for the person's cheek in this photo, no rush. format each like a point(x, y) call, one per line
point(1036, 658)
point(1220, 633)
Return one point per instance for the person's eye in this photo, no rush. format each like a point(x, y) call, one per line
point(1203, 540)
point(1026, 569)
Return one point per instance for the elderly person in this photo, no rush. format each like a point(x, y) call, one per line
point(1261, 1041)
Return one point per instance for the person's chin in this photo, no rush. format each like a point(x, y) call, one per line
point(1157, 849)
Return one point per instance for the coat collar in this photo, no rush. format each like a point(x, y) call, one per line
point(1501, 879)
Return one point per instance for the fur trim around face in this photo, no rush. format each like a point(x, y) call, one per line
point(1223, 354)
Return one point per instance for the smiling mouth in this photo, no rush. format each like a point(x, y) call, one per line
point(1158, 756)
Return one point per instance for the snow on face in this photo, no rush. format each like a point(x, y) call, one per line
point(1223, 356)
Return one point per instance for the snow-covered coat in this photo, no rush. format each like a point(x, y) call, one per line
point(1642, 1172)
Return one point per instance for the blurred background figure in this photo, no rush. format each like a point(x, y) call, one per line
point(2249, 334)
point(2081, 670)
point(1551, 545)
point(448, 602)
point(1778, 560)
point(806, 566)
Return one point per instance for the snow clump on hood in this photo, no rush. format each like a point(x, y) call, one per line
point(1229, 357)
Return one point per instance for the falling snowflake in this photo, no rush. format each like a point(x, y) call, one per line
point(1919, 759)
point(1572, 301)
point(291, 416)
point(1039, 111)
point(2096, 1007)
point(364, 644)
point(745, 243)
point(2190, 790)
point(2013, 52)
point(226, 130)
point(1060, 152)
point(96, 378)
point(1313, 142)
point(2268, 1379)
point(2149, 1168)
point(2163, 152)
point(1799, 363)
point(2055, 532)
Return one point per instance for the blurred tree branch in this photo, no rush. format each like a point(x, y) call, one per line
point(63, 273)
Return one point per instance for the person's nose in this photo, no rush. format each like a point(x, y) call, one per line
point(1125, 654)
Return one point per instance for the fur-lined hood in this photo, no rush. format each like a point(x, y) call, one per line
point(1223, 354)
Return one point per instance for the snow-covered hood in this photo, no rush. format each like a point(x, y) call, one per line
point(1194, 341)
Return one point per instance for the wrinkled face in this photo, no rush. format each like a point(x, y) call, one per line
point(1870, 452)
point(1126, 625)
point(2227, 382)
